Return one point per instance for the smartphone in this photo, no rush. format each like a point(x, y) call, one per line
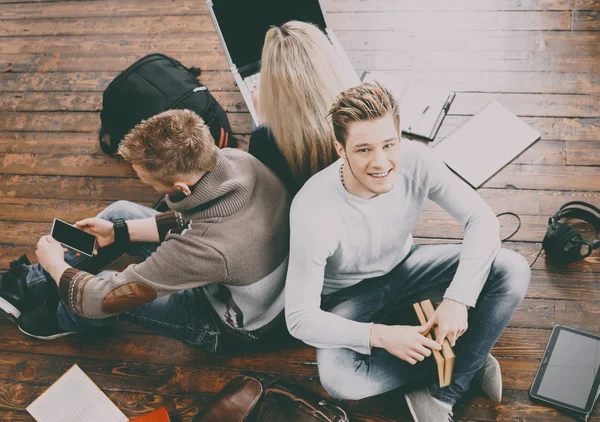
point(72, 237)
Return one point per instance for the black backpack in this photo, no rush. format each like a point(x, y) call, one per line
point(154, 84)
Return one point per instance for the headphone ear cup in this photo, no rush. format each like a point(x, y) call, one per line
point(558, 246)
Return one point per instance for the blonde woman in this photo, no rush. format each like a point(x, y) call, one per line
point(301, 75)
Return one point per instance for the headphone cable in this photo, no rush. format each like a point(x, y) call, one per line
point(515, 232)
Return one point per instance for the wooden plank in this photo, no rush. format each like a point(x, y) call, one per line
point(129, 376)
point(33, 209)
point(522, 343)
point(582, 153)
point(171, 44)
point(94, 81)
point(475, 81)
point(49, 142)
point(441, 5)
point(241, 123)
point(551, 284)
point(519, 201)
point(88, 101)
point(533, 227)
point(586, 20)
point(75, 62)
point(513, 403)
point(156, 349)
point(551, 128)
point(62, 187)
point(535, 313)
point(524, 176)
point(103, 9)
point(530, 251)
point(435, 20)
point(461, 40)
point(510, 82)
point(406, 41)
point(540, 105)
point(587, 5)
point(510, 61)
point(582, 314)
point(66, 165)
point(112, 25)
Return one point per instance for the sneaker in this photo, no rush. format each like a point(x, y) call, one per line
point(424, 408)
point(41, 323)
point(14, 295)
point(489, 379)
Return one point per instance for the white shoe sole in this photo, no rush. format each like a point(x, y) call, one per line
point(54, 337)
point(9, 310)
point(412, 411)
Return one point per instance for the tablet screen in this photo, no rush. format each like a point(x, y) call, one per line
point(571, 370)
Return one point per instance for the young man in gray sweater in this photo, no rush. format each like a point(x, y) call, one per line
point(353, 261)
point(215, 264)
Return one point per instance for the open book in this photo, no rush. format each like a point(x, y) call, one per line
point(423, 106)
point(74, 398)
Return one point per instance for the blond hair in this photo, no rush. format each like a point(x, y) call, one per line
point(368, 101)
point(170, 144)
point(300, 77)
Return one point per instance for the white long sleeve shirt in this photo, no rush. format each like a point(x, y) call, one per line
point(338, 240)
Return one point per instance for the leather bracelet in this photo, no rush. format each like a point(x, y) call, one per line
point(121, 232)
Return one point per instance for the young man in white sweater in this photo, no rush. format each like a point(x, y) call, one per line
point(352, 261)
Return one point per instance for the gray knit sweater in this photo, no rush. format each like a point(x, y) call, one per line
point(230, 235)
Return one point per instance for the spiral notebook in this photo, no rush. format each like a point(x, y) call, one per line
point(480, 147)
point(423, 105)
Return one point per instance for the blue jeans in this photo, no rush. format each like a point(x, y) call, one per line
point(186, 315)
point(425, 273)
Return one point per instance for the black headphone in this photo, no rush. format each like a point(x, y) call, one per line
point(562, 242)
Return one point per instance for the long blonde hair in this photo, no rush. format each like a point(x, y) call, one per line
point(301, 75)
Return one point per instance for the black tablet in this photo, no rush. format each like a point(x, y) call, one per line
point(569, 375)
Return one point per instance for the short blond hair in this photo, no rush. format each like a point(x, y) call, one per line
point(170, 144)
point(368, 101)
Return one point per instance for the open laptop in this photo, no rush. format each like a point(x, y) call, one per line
point(242, 26)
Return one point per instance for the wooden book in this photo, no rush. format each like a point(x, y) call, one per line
point(447, 354)
point(437, 356)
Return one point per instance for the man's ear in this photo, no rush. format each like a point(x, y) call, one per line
point(340, 149)
point(183, 188)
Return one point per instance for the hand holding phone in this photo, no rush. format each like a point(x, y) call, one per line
point(102, 229)
point(73, 237)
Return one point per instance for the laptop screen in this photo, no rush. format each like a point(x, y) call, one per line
point(244, 23)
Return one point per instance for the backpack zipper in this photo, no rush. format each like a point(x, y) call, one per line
point(181, 99)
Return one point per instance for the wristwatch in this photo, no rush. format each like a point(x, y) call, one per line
point(121, 232)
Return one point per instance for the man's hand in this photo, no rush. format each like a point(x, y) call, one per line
point(404, 341)
point(451, 321)
point(102, 229)
point(51, 256)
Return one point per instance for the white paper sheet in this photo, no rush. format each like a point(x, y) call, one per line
point(74, 398)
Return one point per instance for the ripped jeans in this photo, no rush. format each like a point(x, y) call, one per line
point(425, 273)
point(186, 315)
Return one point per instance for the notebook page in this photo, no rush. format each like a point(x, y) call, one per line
point(486, 143)
point(74, 398)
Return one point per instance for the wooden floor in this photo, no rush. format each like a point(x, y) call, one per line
point(540, 58)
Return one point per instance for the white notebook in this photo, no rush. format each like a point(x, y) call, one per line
point(485, 143)
point(74, 398)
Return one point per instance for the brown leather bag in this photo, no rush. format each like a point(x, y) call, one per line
point(277, 401)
